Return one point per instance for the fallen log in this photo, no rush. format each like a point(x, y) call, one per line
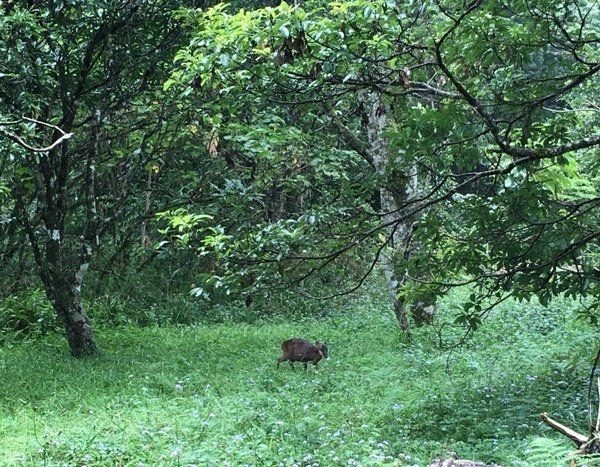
point(577, 438)
point(589, 444)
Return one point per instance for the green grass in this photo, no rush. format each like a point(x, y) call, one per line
point(212, 394)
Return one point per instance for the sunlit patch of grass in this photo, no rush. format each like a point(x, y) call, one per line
point(212, 394)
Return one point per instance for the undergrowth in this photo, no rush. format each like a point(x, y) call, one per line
point(211, 394)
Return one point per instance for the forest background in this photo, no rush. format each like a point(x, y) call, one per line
point(415, 182)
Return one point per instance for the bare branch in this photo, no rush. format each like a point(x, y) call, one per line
point(21, 142)
point(577, 438)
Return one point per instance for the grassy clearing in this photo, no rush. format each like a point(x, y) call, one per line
point(212, 395)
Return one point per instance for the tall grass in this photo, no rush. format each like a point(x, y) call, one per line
point(211, 394)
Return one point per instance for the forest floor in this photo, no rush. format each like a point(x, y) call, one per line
point(212, 394)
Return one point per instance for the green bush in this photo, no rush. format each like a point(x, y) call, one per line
point(26, 315)
point(184, 309)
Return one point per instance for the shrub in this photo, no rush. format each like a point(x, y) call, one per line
point(26, 315)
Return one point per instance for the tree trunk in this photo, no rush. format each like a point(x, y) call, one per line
point(80, 335)
point(393, 195)
point(53, 258)
point(78, 326)
point(376, 121)
point(67, 293)
point(423, 312)
point(63, 289)
point(146, 242)
point(393, 285)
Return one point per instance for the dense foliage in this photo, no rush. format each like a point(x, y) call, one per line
point(292, 146)
point(213, 172)
point(489, 102)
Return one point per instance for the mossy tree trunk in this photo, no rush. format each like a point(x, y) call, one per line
point(398, 187)
point(65, 296)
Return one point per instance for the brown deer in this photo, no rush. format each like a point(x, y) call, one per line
point(300, 350)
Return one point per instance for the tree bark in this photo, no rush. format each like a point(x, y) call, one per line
point(146, 241)
point(66, 300)
point(393, 195)
point(63, 288)
point(376, 122)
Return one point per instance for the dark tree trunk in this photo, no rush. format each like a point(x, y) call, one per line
point(77, 324)
point(60, 269)
point(80, 336)
point(63, 289)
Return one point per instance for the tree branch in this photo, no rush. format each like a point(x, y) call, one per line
point(21, 142)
